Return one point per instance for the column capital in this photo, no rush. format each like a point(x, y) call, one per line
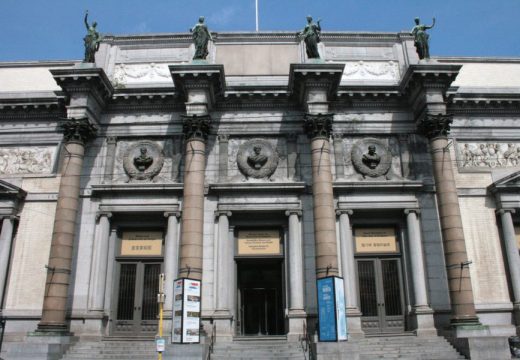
point(78, 130)
point(318, 125)
point(435, 125)
point(219, 213)
point(99, 214)
point(416, 211)
point(177, 214)
point(506, 210)
point(196, 126)
point(296, 212)
point(340, 212)
point(111, 139)
point(337, 136)
point(223, 138)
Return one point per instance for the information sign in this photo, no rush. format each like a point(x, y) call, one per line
point(186, 311)
point(375, 240)
point(331, 309)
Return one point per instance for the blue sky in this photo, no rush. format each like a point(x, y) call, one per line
point(53, 29)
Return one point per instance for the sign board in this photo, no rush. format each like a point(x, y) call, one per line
point(186, 311)
point(375, 240)
point(160, 344)
point(142, 243)
point(331, 309)
point(517, 233)
point(259, 242)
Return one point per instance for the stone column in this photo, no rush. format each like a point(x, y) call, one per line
point(513, 257)
point(421, 309)
point(297, 313)
point(6, 238)
point(196, 129)
point(436, 128)
point(171, 257)
point(76, 133)
point(100, 260)
point(318, 127)
point(222, 315)
point(348, 269)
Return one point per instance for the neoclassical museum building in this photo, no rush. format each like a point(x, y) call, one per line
point(250, 176)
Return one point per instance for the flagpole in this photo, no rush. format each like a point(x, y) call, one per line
point(256, 3)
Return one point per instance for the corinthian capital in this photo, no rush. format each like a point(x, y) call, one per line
point(433, 126)
point(196, 127)
point(78, 130)
point(318, 125)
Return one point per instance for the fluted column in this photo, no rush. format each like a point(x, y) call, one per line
point(196, 129)
point(6, 238)
point(436, 128)
point(76, 133)
point(318, 127)
point(100, 262)
point(171, 256)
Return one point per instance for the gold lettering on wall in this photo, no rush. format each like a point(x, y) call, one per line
point(259, 242)
point(142, 243)
point(375, 240)
point(517, 233)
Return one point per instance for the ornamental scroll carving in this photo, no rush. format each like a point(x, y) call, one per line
point(143, 161)
point(488, 155)
point(26, 160)
point(257, 159)
point(372, 158)
point(141, 73)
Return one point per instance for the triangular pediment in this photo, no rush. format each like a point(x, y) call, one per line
point(10, 189)
point(510, 182)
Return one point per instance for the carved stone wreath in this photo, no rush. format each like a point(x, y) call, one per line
point(257, 165)
point(361, 148)
point(147, 171)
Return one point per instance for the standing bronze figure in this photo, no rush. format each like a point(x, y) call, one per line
point(201, 37)
point(311, 36)
point(421, 41)
point(92, 40)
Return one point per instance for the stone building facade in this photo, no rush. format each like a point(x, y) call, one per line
point(257, 173)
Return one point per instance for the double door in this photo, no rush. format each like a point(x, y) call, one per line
point(381, 295)
point(136, 298)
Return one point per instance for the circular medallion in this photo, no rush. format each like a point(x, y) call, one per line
point(371, 157)
point(143, 160)
point(257, 159)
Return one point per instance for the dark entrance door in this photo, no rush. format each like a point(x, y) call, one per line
point(381, 295)
point(260, 297)
point(137, 309)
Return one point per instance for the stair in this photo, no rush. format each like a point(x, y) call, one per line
point(112, 349)
point(258, 348)
point(392, 347)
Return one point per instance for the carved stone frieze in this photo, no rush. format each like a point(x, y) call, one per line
point(129, 74)
point(143, 161)
point(26, 160)
point(488, 155)
point(371, 70)
point(257, 159)
point(371, 157)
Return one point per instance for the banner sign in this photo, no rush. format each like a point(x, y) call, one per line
point(375, 240)
point(186, 311)
point(331, 309)
point(141, 243)
point(259, 242)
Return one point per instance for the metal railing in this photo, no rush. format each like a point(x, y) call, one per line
point(306, 344)
point(2, 325)
point(211, 341)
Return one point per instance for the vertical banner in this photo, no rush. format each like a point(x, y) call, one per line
point(331, 309)
point(186, 311)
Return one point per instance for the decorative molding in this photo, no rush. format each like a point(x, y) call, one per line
point(318, 125)
point(27, 160)
point(432, 126)
point(371, 70)
point(130, 74)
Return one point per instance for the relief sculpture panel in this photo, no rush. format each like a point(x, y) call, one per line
point(257, 159)
point(27, 160)
point(488, 155)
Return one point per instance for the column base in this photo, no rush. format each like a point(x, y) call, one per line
point(297, 323)
point(476, 342)
point(422, 318)
point(39, 345)
point(223, 321)
point(354, 329)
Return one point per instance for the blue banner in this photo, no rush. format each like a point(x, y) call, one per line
point(327, 310)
